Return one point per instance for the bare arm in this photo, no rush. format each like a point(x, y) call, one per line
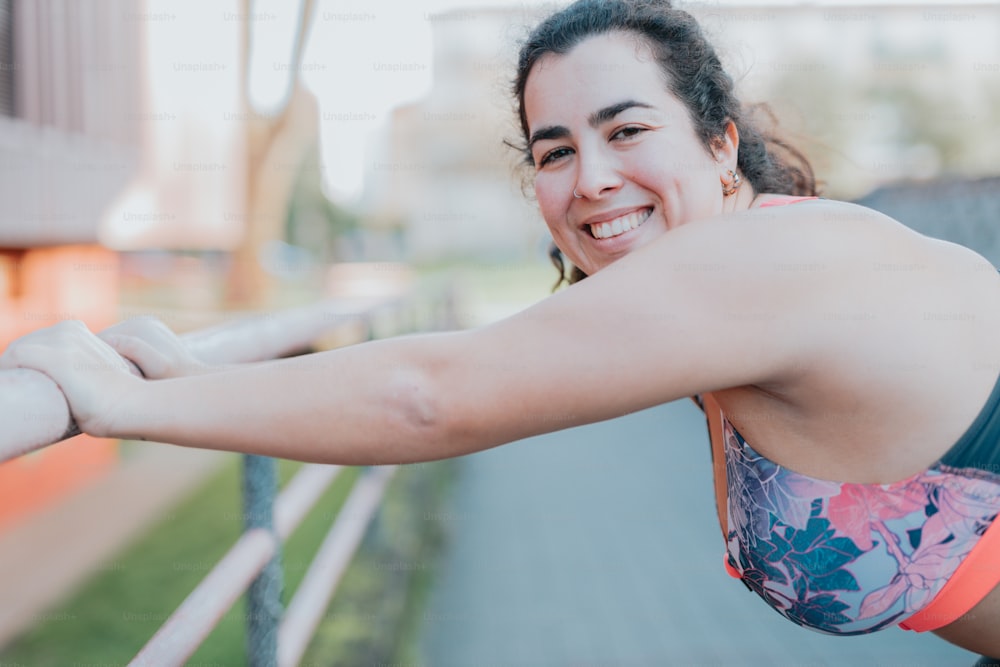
point(709, 305)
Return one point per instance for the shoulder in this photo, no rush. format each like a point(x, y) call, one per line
point(717, 303)
point(877, 249)
point(795, 259)
point(839, 225)
point(759, 298)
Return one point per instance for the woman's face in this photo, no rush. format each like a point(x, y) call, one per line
point(601, 121)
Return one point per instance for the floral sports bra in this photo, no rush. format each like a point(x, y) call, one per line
point(846, 558)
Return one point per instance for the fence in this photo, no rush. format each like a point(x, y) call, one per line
point(35, 415)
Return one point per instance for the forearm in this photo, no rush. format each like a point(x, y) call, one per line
point(367, 404)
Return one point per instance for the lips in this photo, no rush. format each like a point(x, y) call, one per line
point(610, 228)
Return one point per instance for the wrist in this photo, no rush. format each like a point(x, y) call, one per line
point(129, 417)
point(201, 368)
point(191, 368)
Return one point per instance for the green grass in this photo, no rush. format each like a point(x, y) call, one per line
point(375, 617)
point(114, 613)
point(526, 281)
point(110, 618)
point(489, 291)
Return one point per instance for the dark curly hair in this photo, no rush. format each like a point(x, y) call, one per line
point(693, 73)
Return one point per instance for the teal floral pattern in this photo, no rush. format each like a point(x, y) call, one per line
point(845, 558)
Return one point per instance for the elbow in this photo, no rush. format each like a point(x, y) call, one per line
point(437, 405)
point(417, 405)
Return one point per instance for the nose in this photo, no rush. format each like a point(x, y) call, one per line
point(598, 174)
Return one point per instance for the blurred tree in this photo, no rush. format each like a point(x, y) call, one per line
point(314, 222)
point(896, 121)
point(276, 140)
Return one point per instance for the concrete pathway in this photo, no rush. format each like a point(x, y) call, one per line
point(599, 547)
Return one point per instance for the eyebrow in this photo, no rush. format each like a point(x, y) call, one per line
point(598, 117)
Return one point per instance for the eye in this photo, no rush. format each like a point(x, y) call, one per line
point(627, 132)
point(554, 155)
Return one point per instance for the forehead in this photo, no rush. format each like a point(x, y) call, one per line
point(601, 70)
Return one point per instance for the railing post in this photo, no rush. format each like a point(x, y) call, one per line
point(264, 609)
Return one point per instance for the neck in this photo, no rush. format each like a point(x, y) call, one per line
point(745, 198)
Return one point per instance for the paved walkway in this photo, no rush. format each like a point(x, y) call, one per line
point(599, 547)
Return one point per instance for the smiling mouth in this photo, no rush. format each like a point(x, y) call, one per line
point(618, 226)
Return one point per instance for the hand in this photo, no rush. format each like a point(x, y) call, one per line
point(155, 350)
point(94, 379)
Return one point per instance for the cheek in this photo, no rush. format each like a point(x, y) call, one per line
point(552, 203)
point(688, 185)
point(679, 169)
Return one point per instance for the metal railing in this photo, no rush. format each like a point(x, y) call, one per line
point(35, 415)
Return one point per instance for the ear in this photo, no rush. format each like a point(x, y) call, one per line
point(726, 148)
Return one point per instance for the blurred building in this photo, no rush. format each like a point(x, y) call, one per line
point(125, 127)
point(872, 94)
point(444, 176)
point(69, 143)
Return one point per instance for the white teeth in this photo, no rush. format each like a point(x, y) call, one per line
point(604, 230)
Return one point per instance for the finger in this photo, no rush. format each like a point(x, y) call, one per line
point(35, 356)
point(146, 359)
point(7, 361)
point(67, 339)
point(143, 326)
point(56, 337)
point(152, 331)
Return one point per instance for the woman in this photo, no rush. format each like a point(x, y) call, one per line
point(790, 320)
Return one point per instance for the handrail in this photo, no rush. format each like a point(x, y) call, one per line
point(185, 629)
point(332, 558)
point(35, 414)
point(253, 563)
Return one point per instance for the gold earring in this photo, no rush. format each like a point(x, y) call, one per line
point(733, 186)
